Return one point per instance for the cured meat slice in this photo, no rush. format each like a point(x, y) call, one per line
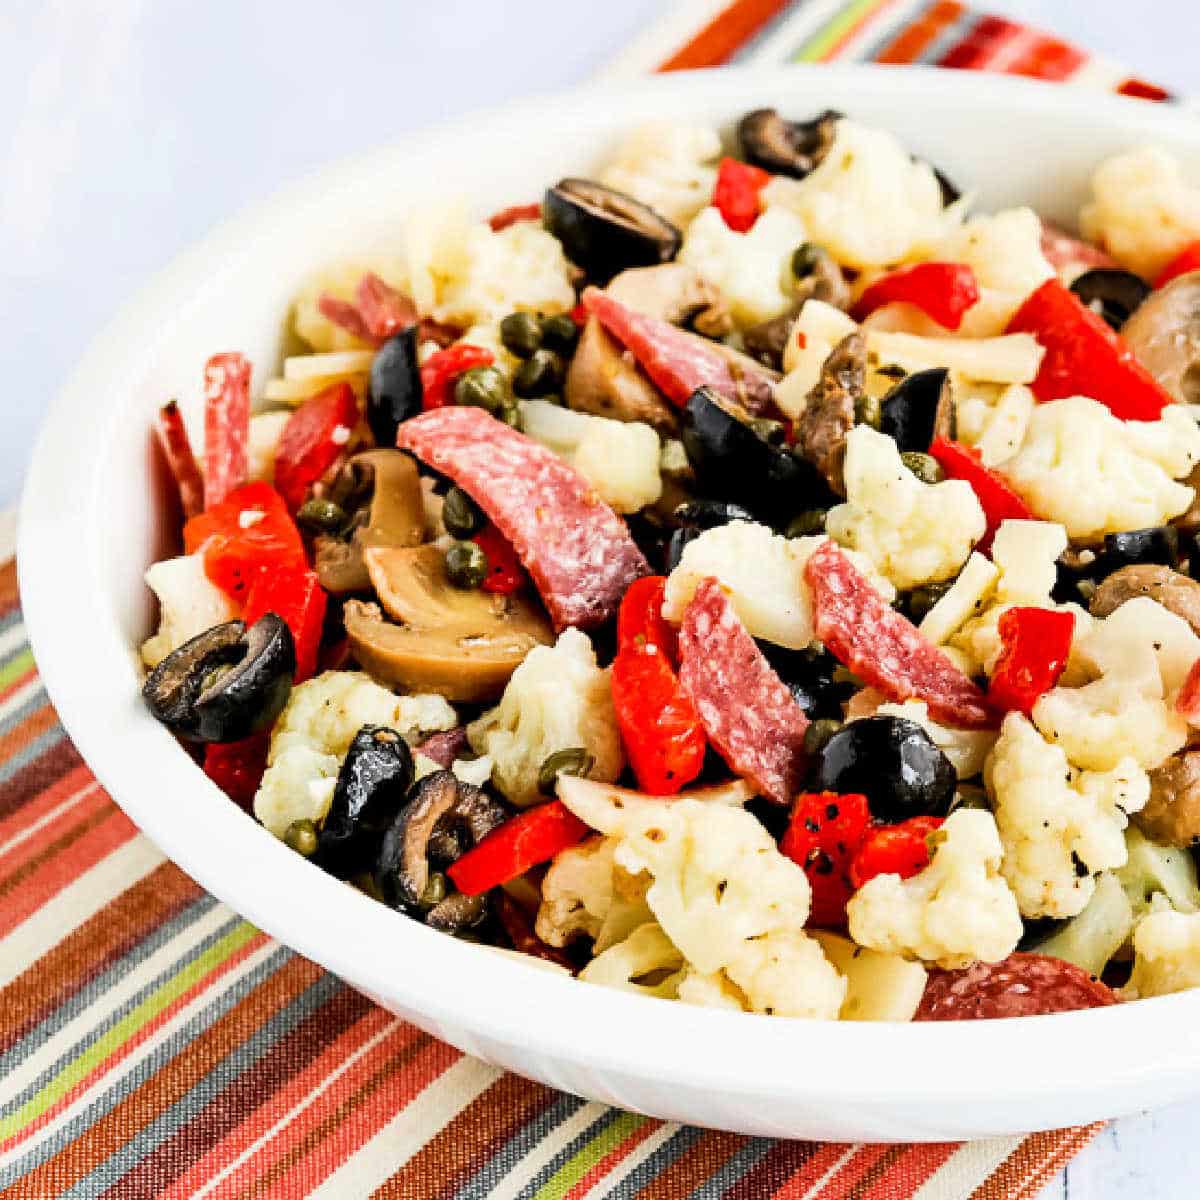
point(445, 747)
point(576, 549)
point(384, 310)
point(226, 425)
point(1069, 256)
point(177, 449)
point(1021, 985)
point(883, 648)
point(679, 362)
point(344, 314)
point(746, 709)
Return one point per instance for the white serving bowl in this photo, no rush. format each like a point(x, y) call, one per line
point(91, 521)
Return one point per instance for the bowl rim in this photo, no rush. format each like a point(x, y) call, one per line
point(527, 1009)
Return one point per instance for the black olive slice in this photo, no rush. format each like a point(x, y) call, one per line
point(808, 675)
point(785, 147)
point(1114, 294)
point(915, 408)
point(394, 390)
point(1138, 547)
point(605, 231)
point(708, 514)
point(946, 185)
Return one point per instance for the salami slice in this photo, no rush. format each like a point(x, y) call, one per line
point(177, 449)
point(679, 362)
point(345, 315)
point(226, 425)
point(1021, 985)
point(445, 747)
point(576, 549)
point(1069, 256)
point(384, 310)
point(883, 648)
point(746, 709)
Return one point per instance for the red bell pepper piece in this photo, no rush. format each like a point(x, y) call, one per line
point(237, 767)
point(250, 533)
point(177, 449)
point(943, 291)
point(226, 425)
point(384, 310)
point(1187, 703)
point(296, 595)
point(1188, 259)
point(579, 314)
point(996, 497)
point(823, 835)
point(315, 434)
point(736, 194)
point(1085, 357)
point(441, 370)
point(901, 849)
point(640, 621)
point(531, 837)
point(1035, 645)
point(514, 213)
point(505, 573)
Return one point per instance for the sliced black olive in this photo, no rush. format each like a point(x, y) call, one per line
point(605, 231)
point(371, 786)
point(809, 677)
point(1075, 576)
point(225, 684)
point(785, 147)
point(394, 391)
point(1159, 544)
point(708, 514)
point(911, 409)
point(678, 544)
point(950, 193)
point(1111, 292)
point(894, 763)
point(442, 819)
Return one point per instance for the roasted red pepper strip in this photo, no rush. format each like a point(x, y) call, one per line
point(1035, 645)
point(900, 849)
point(736, 194)
point(177, 448)
point(247, 535)
point(943, 291)
point(296, 595)
point(1188, 259)
point(996, 497)
point(823, 835)
point(315, 434)
point(441, 370)
point(1187, 703)
point(237, 767)
point(511, 215)
point(640, 621)
point(226, 425)
point(1084, 357)
point(505, 573)
point(529, 838)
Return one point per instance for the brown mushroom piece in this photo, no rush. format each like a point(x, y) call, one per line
point(1171, 589)
point(383, 489)
point(829, 412)
point(785, 147)
point(1164, 334)
point(1171, 816)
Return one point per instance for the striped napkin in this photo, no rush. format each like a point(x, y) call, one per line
point(153, 1043)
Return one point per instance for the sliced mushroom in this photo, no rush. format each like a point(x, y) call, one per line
point(1164, 334)
point(829, 412)
point(1171, 816)
point(1171, 589)
point(786, 147)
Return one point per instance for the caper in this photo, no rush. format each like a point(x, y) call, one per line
point(868, 411)
point(539, 375)
point(924, 466)
point(818, 733)
point(321, 516)
point(810, 521)
point(920, 600)
point(466, 565)
point(481, 387)
point(771, 432)
point(510, 414)
point(805, 259)
point(460, 515)
point(521, 333)
point(301, 836)
point(435, 891)
point(575, 761)
point(559, 333)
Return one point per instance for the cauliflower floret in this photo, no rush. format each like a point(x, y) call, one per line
point(340, 281)
point(994, 419)
point(577, 892)
point(752, 270)
point(188, 604)
point(643, 956)
point(315, 730)
point(1059, 827)
point(763, 572)
point(710, 991)
point(667, 166)
point(620, 459)
point(1166, 955)
point(869, 203)
point(1081, 466)
point(958, 910)
point(912, 532)
point(786, 974)
point(1143, 212)
point(265, 431)
point(557, 699)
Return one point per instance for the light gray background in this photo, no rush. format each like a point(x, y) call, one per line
point(130, 127)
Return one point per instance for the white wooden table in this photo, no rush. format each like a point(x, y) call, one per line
point(128, 128)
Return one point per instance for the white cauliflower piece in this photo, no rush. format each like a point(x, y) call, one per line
point(577, 892)
point(752, 270)
point(879, 987)
point(911, 532)
point(315, 730)
point(967, 749)
point(620, 459)
point(1166, 955)
point(339, 280)
point(869, 203)
point(786, 974)
point(710, 991)
point(1095, 474)
point(1143, 212)
point(668, 166)
point(994, 419)
point(188, 604)
point(1059, 827)
point(265, 431)
point(638, 964)
point(957, 911)
point(557, 699)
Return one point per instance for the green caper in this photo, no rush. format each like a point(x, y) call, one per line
point(868, 411)
point(301, 836)
point(521, 334)
point(510, 414)
point(574, 761)
point(924, 466)
point(321, 516)
point(435, 891)
point(818, 733)
point(539, 375)
point(810, 521)
point(460, 515)
point(771, 432)
point(920, 600)
point(466, 565)
point(481, 387)
point(559, 333)
point(805, 259)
